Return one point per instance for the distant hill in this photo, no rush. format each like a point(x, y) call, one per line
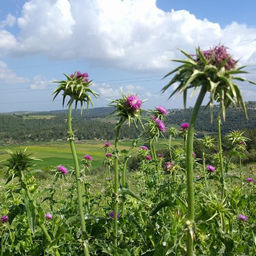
point(99, 124)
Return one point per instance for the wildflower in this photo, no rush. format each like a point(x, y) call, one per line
point(107, 144)
point(108, 155)
point(62, 169)
point(144, 147)
point(194, 155)
point(148, 157)
point(160, 155)
point(153, 117)
point(133, 102)
point(4, 219)
point(160, 125)
point(219, 55)
point(88, 157)
point(197, 177)
point(249, 179)
point(107, 178)
point(168, 165)
point(251, 167)
point(48, 216)
point(184, 126)
point(210, 168)
point(162, 110)
point(242, 217)
point(112, 215)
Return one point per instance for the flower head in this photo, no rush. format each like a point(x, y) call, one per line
point(160, 124)
point(77, 87)
point(148, 157)
point(184, 126)
point(88, 157)
point(109, 155)
point(48, 216)
point(144, 147)
point(133, 102)
point(194, 155)
point(168, 165)
point(162, 110)
point(210, 168)
point(107, 179)
point(160, 155)
point(112, 215)
point(249, 179)
point(62, 169)
point(107, 144)
point(218, 56)
point(4, 219)
point(242, 217)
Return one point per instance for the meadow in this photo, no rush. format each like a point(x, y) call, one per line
point(155, 196)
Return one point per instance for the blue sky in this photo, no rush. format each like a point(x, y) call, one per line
point(123, 45)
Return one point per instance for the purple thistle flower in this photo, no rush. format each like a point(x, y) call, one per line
point(162, 110)
point(218, 55)
point(133, 102)
point(242, 217)
point(4, 219)
point(249, 179)
point(88, 157)
point(107, 178)
point(197, 177)
point(148, 157)
point(210, 168)
point(251, 167)
point(160, 155)
point(194, 155)
point(144, 147)
point(109, 155)
point(112, 215)
point(48, 216)
point(107, 144)
point(184, 126)
point(62, 169)
point(160, 125)
point(168, 165)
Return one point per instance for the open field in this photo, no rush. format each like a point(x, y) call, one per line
point(52, 154)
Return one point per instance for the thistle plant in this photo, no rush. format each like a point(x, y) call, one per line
point(19, 165)
point(77, 87)
point(215, 72)
point(127, 108)
point(238, 142)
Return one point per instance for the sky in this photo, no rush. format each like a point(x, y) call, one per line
point(126, 46)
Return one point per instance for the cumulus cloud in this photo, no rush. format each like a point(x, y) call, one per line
point(129, 34)
point(39, 82)
point(8, 76)
point(10, 20)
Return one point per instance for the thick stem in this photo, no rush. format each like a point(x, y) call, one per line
point(170, 146)
point(221, 159)
point(78, 182)
point(116, 186)
point(190, 173)
point(124, 183)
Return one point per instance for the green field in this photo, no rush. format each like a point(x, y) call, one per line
point(52, 154)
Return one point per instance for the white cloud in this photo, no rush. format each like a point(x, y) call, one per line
point(39, 82)
point(10, 20)
point(129, 34)
point(8, 76)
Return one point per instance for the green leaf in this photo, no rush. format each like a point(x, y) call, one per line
point(161, 205)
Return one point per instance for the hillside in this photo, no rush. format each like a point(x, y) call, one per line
point(99, 124)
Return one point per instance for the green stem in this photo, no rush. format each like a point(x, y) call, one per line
point(170, 146)
point(116, 186)
point(78, 182)
point(190, 174)
point(42, 226)
point(124, 183)
point(204, 171)
point(221, 159)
